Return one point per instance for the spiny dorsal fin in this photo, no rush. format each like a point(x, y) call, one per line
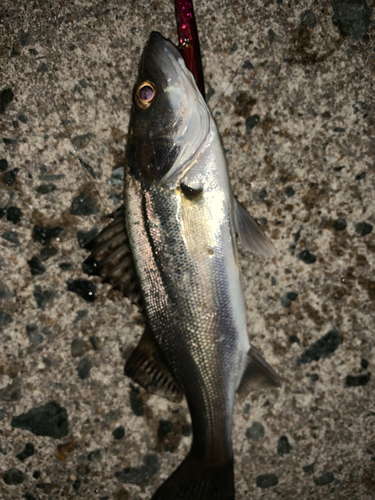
point(111, 258)
point(251, 236)
point(258, 374)
point(148, 368)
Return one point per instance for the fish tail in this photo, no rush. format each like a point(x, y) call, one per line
point(195, 480)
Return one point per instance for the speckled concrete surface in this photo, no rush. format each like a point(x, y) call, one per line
point(294, 101)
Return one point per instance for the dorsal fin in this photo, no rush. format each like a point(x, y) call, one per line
point(250, 234)
point(111, 257)
point(257, 374)
point(147, 366)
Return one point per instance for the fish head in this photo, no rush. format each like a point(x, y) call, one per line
point(169, 119)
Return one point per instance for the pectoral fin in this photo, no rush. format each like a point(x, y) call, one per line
point(111, 258)
point(251, 236)
point(258, 374)
point(148, 368)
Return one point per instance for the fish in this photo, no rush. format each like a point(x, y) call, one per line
point(172, 248)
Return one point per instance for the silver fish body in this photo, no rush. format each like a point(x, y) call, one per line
point(181, 220)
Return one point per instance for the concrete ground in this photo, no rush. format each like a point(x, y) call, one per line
point(290, 85)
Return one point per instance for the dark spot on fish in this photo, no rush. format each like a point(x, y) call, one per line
point(247, 65)
point(83, 368)
point(364, 363)
point(289, 191)
point(6, 97)
point(94, 456)
point(251, 122)
point(65, 266)
point(9, 142)
point(136, 403)
point(140, 475)
point(309, 469)
point(27, 452)
point(5, 318)
point(11, 236)
point(165, 427)
point(46, 188)
point(288, 298)
point(48, 420)
point(47, 252)
point(84, 288)
point(324, 479)
point(13, 476)
point(83, 205)
point(22, 118)
point(360, 176)
point(255, 432)
point(308, 17)
point(191, 193)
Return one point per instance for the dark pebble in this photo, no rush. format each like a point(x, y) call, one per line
point(48, 252)
point(283, 446)
point(357, 380)
point(6, 97)
point(65, 266)
point(83, 205)
point(76, 484)
point(4, 292)
point(22, 118)
point(36, 474)
point(36, 267)
point(322, 348)
point(82, 313)
point(266, 480)
point(255, 432)
point(363, 228)
point(360, 176)
point(186, 430)
point(364, 363)
point(308, 17)
point(13, 476)
point(78, 348)
point(247, 65)
point(136, 403)
point(337, 169)
point(3, 165)
point(14, 215)
point(271, 36)
point(233, 48)
point(83, 469)
point(5, 318)
point(46, 188)
point(84, 288)
point(42, 68)
point(307, 257)
point(273, 280)
point(12, 392)
point(251, 122)
point(83, 368)
point(339, 130)
point(3, 212)
point(352, 17)
point(33, 335)
point(45, 234)
point(84, 237)
point(289, 191)
point(42, 297)
point(10, 177)
point(9, 142)
point(117, 176)
point(2, 415)
point(94, 456)
point(140, 475)
point(47, 420)
point(309, 469)
point(27, 452)
point(165, 427)
point(11, 236)
point(29, 496)
point(314, 377)
point(119, 432)
point(95, 342)
point(324, 479)
point(288, 298)
point(340, 224)
point(81, 141)
point(89, 169)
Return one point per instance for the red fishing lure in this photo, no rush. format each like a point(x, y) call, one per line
point(188, 40)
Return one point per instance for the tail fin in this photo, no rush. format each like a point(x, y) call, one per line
point(194, 480)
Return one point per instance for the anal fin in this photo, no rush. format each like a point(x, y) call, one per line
point(148, 368)
point(250, 234)
point(258, 374)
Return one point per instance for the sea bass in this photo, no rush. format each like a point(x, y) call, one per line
point(181, 221)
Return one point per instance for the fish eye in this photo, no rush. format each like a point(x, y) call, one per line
point(144, 95)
